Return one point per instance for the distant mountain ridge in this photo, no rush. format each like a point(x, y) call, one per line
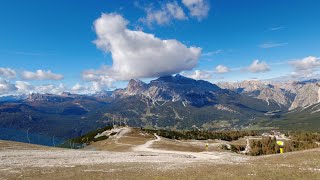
point(174, 102)
point(291, 94)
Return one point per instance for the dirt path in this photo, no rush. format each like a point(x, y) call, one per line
point(225, 157)
point(147, 146)
point(123, 131)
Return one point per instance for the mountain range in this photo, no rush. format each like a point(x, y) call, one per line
point(174, 102)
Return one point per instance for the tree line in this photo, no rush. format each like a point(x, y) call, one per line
point(200, 134)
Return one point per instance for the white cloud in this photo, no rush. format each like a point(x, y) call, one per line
point(176, 11)
point(100, 77)
point(50, 89)
point(136, 54)
point(199, 74)
point(84, 89)
point(222, 69)
point(272, 45)
point(160, 17)
point(276, 28)
point(21, 87)
point(41, 75)
point(258, 67)
point(197, 8)
point(7, 73)
point(306, 67)
point(307, 63)
point(78, 88)
point(165, 15)
point(24, 87)
point(6, 87)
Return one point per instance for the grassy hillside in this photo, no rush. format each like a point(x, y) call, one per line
point(300, 119)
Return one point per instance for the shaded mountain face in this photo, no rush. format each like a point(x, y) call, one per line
point(301, 118)
point(65, 115)
point(12, 98)
point(174, 88)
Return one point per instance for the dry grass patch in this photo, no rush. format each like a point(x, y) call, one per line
point(123, 144)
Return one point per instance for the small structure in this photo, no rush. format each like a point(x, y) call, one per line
point(274, 134)
point(281, 144)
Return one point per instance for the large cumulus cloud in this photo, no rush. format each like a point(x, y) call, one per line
point(136, 54)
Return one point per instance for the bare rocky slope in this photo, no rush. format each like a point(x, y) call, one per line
point(290, 94)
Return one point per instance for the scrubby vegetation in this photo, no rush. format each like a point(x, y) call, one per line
point(302, 141)
point(265, 146)
point(298, 141)
point(86, 139)
point(201, 135)
point(237, 148)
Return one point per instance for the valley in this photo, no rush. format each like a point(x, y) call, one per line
point(170, 102)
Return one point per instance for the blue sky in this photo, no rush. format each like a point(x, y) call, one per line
point(58, 35)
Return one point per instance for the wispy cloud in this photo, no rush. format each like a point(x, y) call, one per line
point(27, 53)
point(211, 53)
point(276, 28)
point(168, 12)
point(198, 8)
point(272, 45)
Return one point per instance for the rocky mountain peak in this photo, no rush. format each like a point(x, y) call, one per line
point(169, 88)
point(179, 81)
point(135, 86)
point(266, 91)
point(175, 79)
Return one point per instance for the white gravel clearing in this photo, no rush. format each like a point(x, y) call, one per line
point(70, 158)
point(140, 154)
